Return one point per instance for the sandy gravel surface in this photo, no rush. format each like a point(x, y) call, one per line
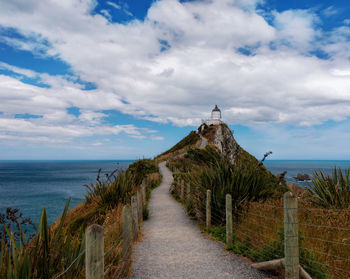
point(204, 142)
point(173, 246)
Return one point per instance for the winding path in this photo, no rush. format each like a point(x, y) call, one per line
point(204, 142)
point(173, 246)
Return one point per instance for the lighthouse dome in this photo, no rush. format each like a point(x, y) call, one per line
point(216, 113)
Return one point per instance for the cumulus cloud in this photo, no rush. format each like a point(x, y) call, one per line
point(174, 65)
point(297, 28)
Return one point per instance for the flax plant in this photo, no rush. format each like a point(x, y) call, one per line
point(49, 253)
point(331, 191)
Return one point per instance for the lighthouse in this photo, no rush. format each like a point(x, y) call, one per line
point(215, 117)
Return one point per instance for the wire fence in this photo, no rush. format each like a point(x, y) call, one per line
point(323, 246)
point(108, 253)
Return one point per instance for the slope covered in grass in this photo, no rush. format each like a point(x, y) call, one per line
point(60, 246)
point(191, 139)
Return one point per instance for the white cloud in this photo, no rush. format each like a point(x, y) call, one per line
point(21, 71)
point(106, 14)
point(297, 28)
point(114, 5)
point(56, 125)
point(157, 138)
point(330, 11)
point(175, 65)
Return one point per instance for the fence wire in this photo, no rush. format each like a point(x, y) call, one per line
point(324, 234)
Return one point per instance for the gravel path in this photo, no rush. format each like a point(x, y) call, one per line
point(173, 246)
point(204, 142)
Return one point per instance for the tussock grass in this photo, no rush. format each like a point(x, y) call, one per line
point(54, 247)
point(324, 213)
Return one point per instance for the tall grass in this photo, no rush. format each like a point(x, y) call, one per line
point(120, 185)
point(187, 141)
point(54, 248)
point(332, 190)
point(50, 252)
point(207, 169)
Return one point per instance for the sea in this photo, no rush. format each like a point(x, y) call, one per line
point(32, 185)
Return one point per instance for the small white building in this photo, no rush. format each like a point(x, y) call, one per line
point(215, 117)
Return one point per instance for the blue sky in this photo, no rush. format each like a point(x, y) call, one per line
point(122, 79)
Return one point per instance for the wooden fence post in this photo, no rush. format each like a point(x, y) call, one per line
point(291, 241)
point(188, 193)
point(94, 252)
point(182, 190)
point(127, 231)
point(143, 192)
point(139, 205)
point(135, 216)
point(228, 219)
point(208, 209)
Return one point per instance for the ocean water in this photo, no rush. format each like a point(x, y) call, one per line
point(293, 167)
point(32, 185)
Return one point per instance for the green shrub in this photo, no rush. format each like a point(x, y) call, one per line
point(189, 140)
point(190, 208)
point(145, 212)
point(120, 185)
point(205, 156)
point(243, 182)
point(217, 232)
point(119, 191)
point(141, 168)
point(331, 190)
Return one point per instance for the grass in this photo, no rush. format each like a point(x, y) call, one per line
point(54, 247)
point(153, 181)
point(267, 250)
point(182, 146)
point(324, 238)
point(206, 169)
point(258, 210)
point(49, 252)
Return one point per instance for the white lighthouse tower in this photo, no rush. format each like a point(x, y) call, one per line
point(215, 117)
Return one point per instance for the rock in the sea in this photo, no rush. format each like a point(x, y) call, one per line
point(302, 177)
point(296, 189)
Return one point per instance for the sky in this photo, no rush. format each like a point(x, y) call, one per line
point(127, 79)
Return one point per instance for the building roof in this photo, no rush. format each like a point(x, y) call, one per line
point(216, 108)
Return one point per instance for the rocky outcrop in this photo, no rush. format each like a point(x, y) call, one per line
point(221, 136)
point(302, 177)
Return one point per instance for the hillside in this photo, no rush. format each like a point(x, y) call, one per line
point(221, 149)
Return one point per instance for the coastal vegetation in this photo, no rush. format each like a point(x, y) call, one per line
point(332, 190)
point(182, 146)
point(257, 204)
point(57, 251)
point(224, 168)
